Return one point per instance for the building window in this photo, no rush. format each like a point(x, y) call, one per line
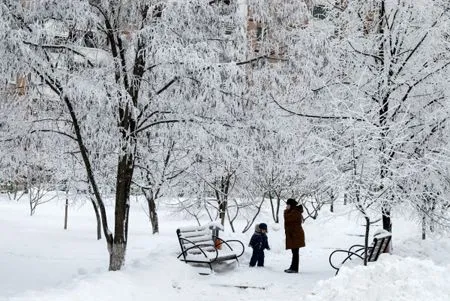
point(319, 12)
point(260, 33)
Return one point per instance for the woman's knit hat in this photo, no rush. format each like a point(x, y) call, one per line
point(291, 202)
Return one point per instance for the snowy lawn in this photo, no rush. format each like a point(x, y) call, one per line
point(41, 261)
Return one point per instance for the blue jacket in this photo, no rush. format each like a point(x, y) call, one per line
point(259, 241)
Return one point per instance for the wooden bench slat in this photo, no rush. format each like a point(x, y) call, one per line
point(206, 249)
point(197, 238)
point(200, 257)
point(195, 234)
point(197, 246)
point(202, 246)
point(380, 245)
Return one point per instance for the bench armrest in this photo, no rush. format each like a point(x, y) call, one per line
point(195, 246)
point(349, 254)
point(354, 247)
point(226, 242)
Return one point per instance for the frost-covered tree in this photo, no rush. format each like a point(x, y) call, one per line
point(110, 71)
point(371, 79)
point(395, 68)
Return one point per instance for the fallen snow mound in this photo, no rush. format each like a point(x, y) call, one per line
point(390, 278)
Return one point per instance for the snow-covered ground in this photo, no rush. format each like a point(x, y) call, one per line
point(41, 261)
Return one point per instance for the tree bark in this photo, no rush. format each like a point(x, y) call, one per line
point(152, 214)
point(232, 219)
point(222, 197)
point(123, 186)
point(278, 208)
point(66, 212)
point(117, 256)
point(153, 217)
point(97, 217)
point(332, 199)
point(384, 128)
point(222, 210)
point(387, 222)
point(275, 208)
point(272, 207)
point(424, 227)
point(366, 239)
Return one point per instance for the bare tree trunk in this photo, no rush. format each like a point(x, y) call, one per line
point(97, 216)
point(222, 197)
point(431, 221)
point(152, 214)
point(232, 219)
point(117, 252)
point(32, 208)
point(272, 207)
point(366, 239)
point(332, 199)
point(387, 222)
point(123, 185)
point(275, 208)
point(384, 108)
point(222, 210)
point(424, 227)
point(278, 208)
point(66, 211)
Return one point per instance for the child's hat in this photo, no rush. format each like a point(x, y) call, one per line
point(263, 226)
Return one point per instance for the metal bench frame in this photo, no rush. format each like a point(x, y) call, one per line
point(205, 248)
point(380, 245)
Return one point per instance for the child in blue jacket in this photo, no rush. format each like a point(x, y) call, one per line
point(259, 243)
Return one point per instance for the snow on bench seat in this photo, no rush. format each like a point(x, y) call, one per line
point(200, 245)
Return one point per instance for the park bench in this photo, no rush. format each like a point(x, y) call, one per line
point(379, 245)
point(201, 244)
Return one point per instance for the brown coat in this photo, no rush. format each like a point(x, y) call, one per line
point(295, 236)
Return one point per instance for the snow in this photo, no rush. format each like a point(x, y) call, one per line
point(391, 278)
point(381, 233)
point(211, 225)
point(41, 261)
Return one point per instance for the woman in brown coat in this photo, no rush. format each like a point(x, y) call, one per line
point(295, 236)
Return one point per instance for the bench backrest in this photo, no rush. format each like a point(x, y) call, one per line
point(189, 236)
point(380, 245)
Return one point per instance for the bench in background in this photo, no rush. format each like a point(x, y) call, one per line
point(380, 245)
point(202, 245)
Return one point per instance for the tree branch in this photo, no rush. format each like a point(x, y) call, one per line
point(414, 50)
point(56, 132)
point(167, 85)
point(158, 122)
point(377, 58)
point(48, 46)
point(314, 116)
